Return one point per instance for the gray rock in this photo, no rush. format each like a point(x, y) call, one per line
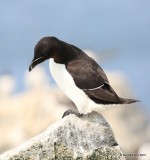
point(89, 137)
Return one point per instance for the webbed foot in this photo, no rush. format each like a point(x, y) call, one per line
point(68, 112)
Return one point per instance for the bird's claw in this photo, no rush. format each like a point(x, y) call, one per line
point(68, 112)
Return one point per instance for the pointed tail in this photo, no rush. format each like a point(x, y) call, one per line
point(128, 101)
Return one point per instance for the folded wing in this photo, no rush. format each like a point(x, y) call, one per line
point(90, 77)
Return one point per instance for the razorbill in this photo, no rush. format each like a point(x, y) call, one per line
point(78, 75)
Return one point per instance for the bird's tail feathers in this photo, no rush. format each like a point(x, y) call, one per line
point(128, 101)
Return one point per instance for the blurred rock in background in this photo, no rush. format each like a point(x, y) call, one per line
point(36, 79)
point(7, 85)
point(24, 115)
point(144, 149)
point(90, 53)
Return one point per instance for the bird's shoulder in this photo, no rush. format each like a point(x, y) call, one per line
point(86, 72)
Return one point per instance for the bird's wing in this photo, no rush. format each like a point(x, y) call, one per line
point(90, 77)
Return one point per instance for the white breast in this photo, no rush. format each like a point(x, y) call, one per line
point(66, 83)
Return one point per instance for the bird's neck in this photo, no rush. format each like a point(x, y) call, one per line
point(65, 53)
point(60, 57)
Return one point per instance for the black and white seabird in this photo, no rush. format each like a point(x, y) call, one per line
point(78, 75)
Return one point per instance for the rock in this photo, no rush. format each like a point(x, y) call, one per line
point(89, 137)
point(20, 112)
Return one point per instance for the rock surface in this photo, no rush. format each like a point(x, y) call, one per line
point(88, 137)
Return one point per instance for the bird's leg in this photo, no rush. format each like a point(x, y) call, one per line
point(115, 144)
point(68, 112)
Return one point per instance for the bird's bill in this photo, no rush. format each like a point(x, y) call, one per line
point(35, 62)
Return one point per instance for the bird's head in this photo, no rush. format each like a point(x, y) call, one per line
point(44, 49)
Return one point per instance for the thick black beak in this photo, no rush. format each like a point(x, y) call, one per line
point(31, 67)
point(35, 62)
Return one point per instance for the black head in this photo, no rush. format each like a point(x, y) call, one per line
point(44, 50)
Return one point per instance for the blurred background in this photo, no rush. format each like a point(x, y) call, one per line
point(115, 33)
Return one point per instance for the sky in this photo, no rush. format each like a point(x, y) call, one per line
point(100, 25)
